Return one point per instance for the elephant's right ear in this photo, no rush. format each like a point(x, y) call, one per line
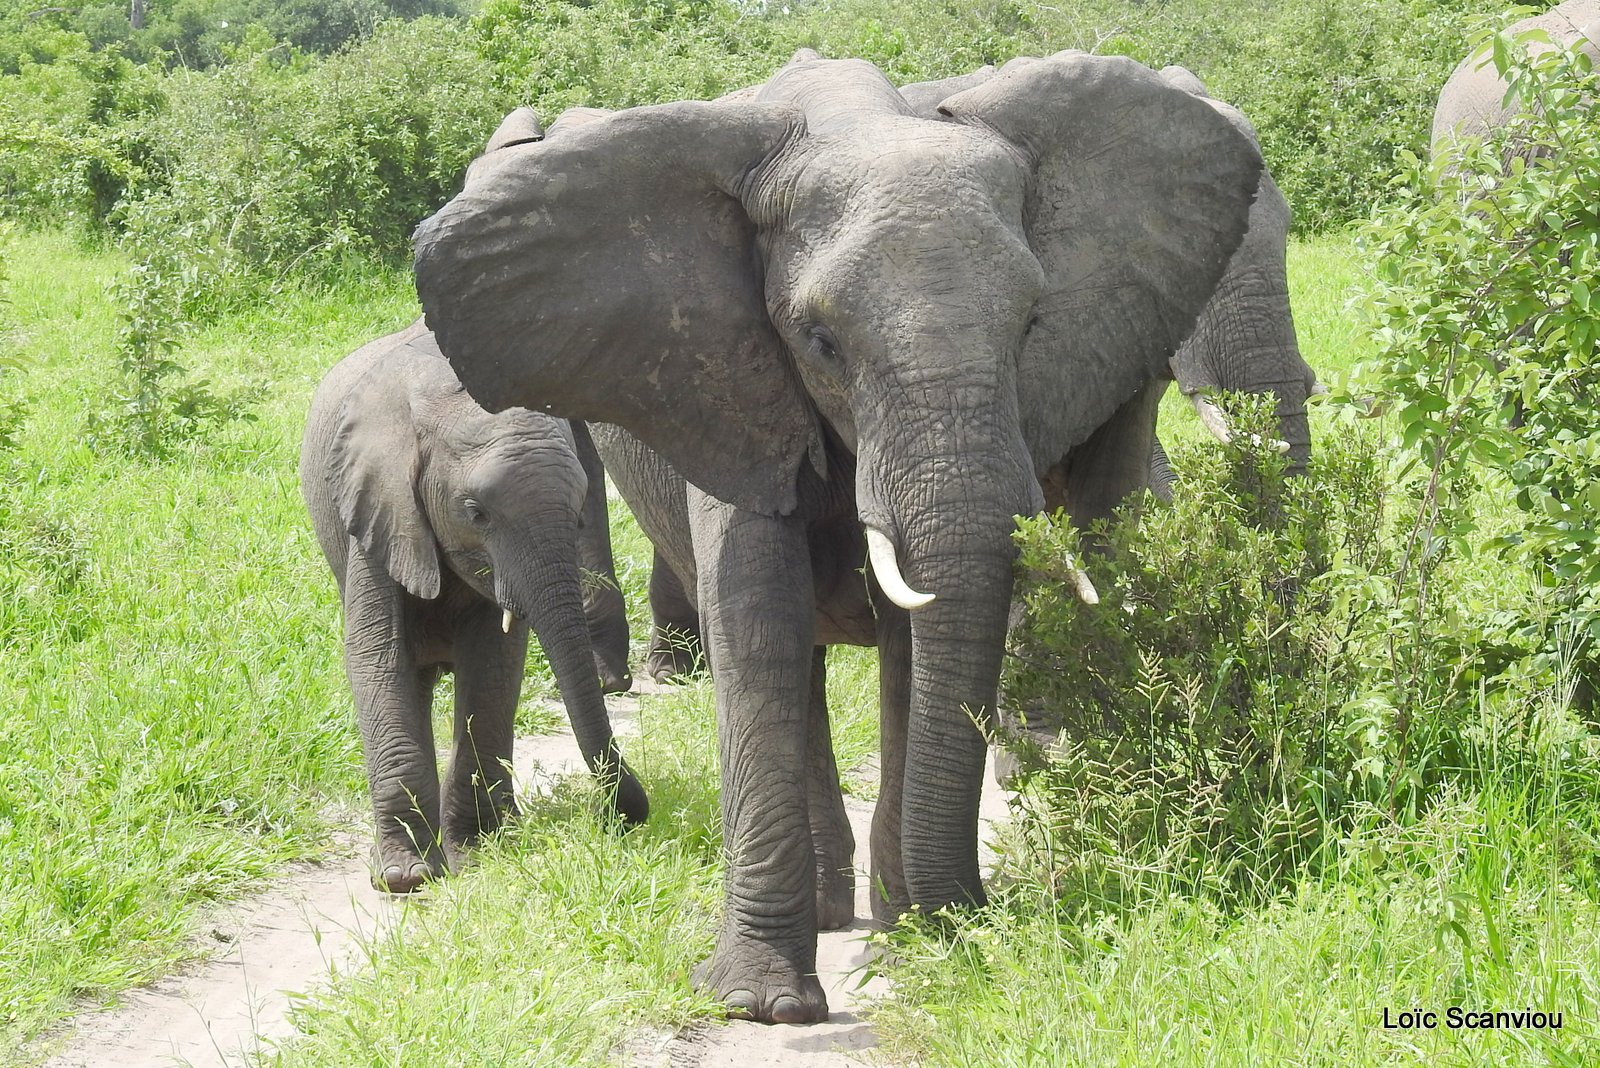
point(374, 475)
point(611, 274)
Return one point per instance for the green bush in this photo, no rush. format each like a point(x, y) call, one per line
point(76, 137)
point(1269, 660)
point(1206, 715)
point(1486, 266)
point(281, 172)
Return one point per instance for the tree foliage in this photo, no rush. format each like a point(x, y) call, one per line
point(1487, 266)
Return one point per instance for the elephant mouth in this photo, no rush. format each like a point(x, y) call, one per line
point(886, 568)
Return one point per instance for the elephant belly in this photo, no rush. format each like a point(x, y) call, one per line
point(434, 624)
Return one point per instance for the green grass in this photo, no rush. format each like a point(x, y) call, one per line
point(173, 718)
point(1476, 905)
point(176, 726)
point(564, 937)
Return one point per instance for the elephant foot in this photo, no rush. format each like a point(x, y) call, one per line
point(614, 677)
point(757, 983)
point(673, 654)
point(888, 905)
point(836, 900)
point(626, 797)
point(397, 871)
point(478, 818)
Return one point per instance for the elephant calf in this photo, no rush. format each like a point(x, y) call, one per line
point(450, 531)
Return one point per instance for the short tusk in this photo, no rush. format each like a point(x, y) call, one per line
point(1212, 418)
point(505, 621)
point(880, 550)
point(1080, 579)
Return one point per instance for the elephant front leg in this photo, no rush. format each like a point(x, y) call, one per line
point(675, 647)
point(832, 841)
point(478, 786)
point(755, 590)
point(393, 698)
point(890, 898)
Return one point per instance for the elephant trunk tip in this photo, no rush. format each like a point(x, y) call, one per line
point(880, 550)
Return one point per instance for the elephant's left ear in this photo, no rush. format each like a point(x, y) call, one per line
point(1140, 195)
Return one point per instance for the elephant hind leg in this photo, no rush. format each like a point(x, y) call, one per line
point(675, 626)
point(832, 841)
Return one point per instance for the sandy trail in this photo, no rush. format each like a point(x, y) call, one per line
point(261, 953)
point(845, 1039)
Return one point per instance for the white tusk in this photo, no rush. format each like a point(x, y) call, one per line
point(505, 621)
point(880, 550)
point(1212, 418)
point(1080, 579)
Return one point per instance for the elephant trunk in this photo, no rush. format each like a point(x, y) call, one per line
point(949, 512)
point(546, 591)
point(1244, 341)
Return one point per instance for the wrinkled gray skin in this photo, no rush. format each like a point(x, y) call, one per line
point(1472, 101)
point(831, 314)
point(1244, 340)
point(436, 516)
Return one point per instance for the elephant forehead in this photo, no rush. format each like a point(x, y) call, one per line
point(475, 432)
point(906, 170)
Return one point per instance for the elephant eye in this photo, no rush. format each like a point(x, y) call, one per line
point(475, 513)
point(823, 347)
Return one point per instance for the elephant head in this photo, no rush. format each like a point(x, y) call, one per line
point(424, 478)
point(1473, 100)
point(811, 294)
point(1244, 340)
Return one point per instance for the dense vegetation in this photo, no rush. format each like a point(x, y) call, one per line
point(1371, 778)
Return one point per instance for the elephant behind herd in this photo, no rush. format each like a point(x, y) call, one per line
point(820, 328)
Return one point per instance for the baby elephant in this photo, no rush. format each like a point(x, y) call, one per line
point(450, 531)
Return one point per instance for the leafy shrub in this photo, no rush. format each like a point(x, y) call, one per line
point(282, 172)
point(155, 410)
point(1206, 713)
point(1491, 343)
point(75, 137)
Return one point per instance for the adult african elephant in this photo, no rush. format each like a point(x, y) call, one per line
point(1472, 101)
point(447, 528)
point(854, 331)
point(1244, 340)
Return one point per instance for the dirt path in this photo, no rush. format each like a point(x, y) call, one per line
point(260, 953)
point(846, 1040)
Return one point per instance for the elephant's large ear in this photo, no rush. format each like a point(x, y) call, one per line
point(1140, 194)
point(375, 465)
point(611, 274)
